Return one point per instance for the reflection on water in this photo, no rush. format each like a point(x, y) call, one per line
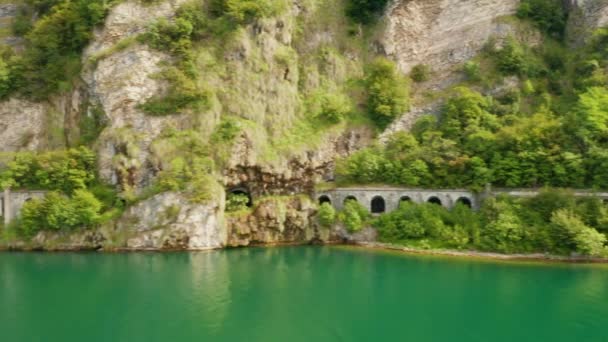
point(296, 294)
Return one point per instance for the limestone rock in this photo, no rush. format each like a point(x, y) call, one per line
point(441, 33)
point(169, 221)
point(585, 17)
point(296, 175)
point(22, 125)
point(8, 11)
point(129, 18)
point(122, 81)
point(274, 221)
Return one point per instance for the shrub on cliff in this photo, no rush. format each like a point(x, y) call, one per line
point(54, 44)
point(421, 73)
point(365, 11)
point(387, 91)
point(245, 11)
point(549, 16)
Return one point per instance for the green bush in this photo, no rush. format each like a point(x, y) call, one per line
point(65, 171)
point(511, 58)
point(236, 202)
point(245, 11)
point(421, 73)
point(582, 238)
point(54, 44)
point(549, 16)
point(365, 11)
point(326, 215)
point(472, 71)
point(58, 212)
point(334, 108)
point(387, 91)
point(354, 216)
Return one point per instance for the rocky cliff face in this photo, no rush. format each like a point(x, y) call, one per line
point(275, 221)
point(441, 33)
point(585, 17)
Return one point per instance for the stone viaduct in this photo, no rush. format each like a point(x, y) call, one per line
point(384, 199)
point(11, 202)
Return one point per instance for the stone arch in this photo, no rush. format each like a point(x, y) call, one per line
point(378, 205)
point(242, 191)
point(350, 198)
point(324, 199)
point(465, 201)
point(434, 200)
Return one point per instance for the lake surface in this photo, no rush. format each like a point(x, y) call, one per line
point(296, 294)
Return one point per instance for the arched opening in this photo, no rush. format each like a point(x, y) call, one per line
point(324, 199)
point(350, 198)
point(239, 197)
point(378, 205)
point(434, 200)
point(465, 201)
point(404, 199)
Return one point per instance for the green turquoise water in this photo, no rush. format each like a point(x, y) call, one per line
point(296, 294)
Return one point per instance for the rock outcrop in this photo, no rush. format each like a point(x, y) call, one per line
point(123, 80)
point(8, 12)
point(441, 33)
point(278, 220)
point(585, 17)
point(23, 125)
point(170, 221)
point(295, 176)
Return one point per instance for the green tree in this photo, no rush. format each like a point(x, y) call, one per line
point(353, 216)
point(549, 15)
point(326, 215)
point(583, 238)
point(387, 90)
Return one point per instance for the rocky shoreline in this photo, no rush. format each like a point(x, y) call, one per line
point(469, 254)
point(540, 257)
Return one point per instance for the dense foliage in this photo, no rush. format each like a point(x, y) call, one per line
point(54, 44)
point(387, 91)
point(326, 215)
point(548, 129)
point(549, 15)
point(365, 11)
point(553, 222)
point(354, 216)
point(64, 171)
point(76, 199)
point(59, 212)
point(236, 202)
